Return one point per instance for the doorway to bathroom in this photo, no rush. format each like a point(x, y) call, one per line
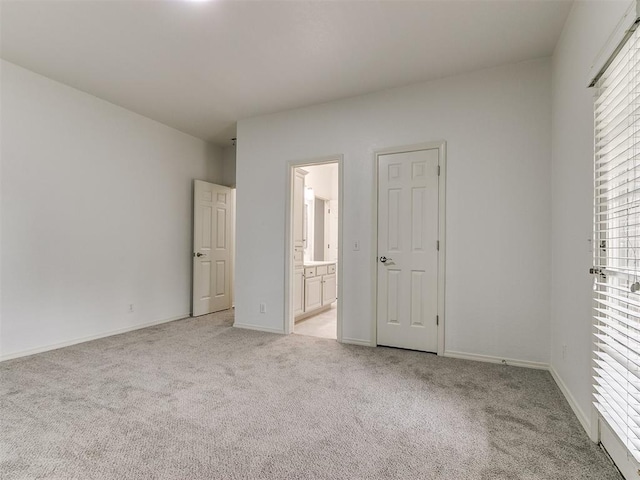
point(314, 254)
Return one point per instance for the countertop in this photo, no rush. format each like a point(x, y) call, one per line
point(318, 263)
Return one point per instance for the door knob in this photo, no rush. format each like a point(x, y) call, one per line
point(201, 254)
point(384, 259)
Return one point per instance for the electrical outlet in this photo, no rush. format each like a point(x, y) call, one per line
point(564, 352)
point(356, 245)
point(131, 308)
point(263, 308)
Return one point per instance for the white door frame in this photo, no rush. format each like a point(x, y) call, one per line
point(288, 252)
point(442, 182)
point(232, 274)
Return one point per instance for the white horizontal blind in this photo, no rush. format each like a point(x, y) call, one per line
point(617, 245)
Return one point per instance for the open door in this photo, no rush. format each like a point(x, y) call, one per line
point(211, 248)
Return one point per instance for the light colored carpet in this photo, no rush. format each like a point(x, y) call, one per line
point(196, 399)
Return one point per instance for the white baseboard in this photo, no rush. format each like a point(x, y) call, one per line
point(357, 341)
point(259, 328)
point(584, 420)
point(75, 341)
point(486, 358)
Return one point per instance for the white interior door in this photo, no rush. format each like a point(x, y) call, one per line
point(332, 215)
point(326, 243)
point(408, 250)
point(298, 291)
point(211, 248)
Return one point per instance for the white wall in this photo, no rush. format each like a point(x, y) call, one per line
point(585, 34)
point(497, 126)
point(229, 166)
point(324, 180)
point(96, 214)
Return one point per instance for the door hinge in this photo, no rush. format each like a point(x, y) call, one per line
point(437, 320)
point(438, 245)
point(438, 170)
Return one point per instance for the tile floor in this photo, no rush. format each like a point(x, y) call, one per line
point(323, 325)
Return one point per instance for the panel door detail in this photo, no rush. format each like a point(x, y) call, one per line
point(408, 242)
point(211, 248)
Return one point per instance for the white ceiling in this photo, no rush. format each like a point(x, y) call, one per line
point(201, 66)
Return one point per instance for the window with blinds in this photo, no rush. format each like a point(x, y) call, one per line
point(617, 245)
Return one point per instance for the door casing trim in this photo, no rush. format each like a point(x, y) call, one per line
point(441, 146)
